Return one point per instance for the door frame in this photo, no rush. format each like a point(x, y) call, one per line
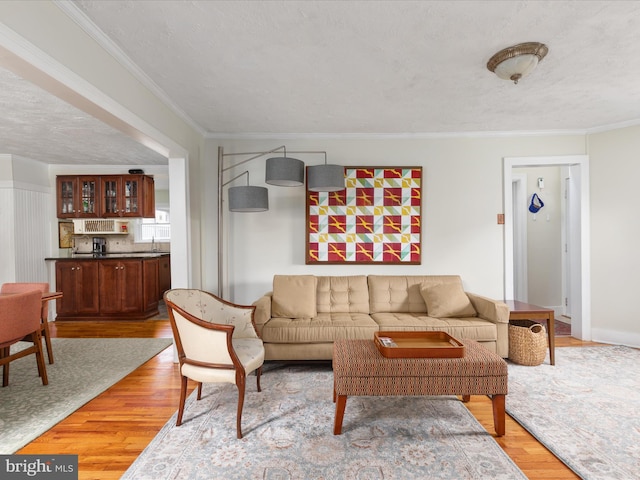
point(581, 241)
point(520, 263)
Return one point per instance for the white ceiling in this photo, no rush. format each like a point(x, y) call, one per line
point(246, 68)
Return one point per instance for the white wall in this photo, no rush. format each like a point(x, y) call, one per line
point(25, 196)
point(462, 195)
point(615, 256)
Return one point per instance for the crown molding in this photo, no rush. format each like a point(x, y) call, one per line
point(85, 23)
point(613, 126)
point(392, 136)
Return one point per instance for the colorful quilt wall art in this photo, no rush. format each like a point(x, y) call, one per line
point(376, 219)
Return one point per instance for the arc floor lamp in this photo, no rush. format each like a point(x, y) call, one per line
point(280, 171)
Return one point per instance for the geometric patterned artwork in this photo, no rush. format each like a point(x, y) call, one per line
point(376, 219)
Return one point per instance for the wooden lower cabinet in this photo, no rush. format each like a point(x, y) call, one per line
point(107, 288)
point(150, 283)
point(164, 275)
point(79, 283)
point(120, 282)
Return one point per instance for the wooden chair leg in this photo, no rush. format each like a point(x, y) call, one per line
point(42, 368)
point(199, 391)
point(183, 396)
point(47, 339)
point(241, 385)
point(258, 375)
point(5, 367)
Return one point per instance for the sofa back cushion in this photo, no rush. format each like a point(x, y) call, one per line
point(447, 300)
point(402, 293)
point(348, 294)
point(294, 296)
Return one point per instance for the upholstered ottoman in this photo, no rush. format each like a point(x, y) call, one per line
point(360, 369)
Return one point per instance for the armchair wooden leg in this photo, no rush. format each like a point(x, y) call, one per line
point(199, 391)
point(258, 375)
point(183, 396)
point(241, 389)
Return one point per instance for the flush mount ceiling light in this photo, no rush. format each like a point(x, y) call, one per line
point(516, 62)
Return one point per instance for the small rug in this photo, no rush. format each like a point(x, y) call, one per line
point(288, 434)
point(83, 368)
point(585, 409)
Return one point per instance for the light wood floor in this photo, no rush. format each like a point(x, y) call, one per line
point(109, 432)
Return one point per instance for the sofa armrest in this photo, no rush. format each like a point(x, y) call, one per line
point(493, 310)
point(263, 310)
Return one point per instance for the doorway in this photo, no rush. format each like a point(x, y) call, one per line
point(576, 235)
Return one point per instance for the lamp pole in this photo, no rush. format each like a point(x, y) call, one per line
point(221, 184)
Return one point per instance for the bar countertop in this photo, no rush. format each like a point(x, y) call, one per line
point(109, 256)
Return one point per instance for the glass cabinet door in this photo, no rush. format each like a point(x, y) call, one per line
point(66, 197)
point(88, 196)
point(110, 192)
point(131, 196)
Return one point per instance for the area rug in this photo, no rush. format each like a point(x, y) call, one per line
point(585, 409)
point(288, 434)
point(83, 368)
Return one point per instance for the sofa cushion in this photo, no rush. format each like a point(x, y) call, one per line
point(294, 296)
point(343, 294)
point(447, 300)
point(471, 327)
point(325, 327)
point(401, 293)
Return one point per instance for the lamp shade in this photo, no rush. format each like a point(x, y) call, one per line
point(248, 198)
point(284, 172)
point(325, 178)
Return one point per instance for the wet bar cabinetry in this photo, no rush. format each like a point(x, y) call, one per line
point(120, 282)
point(108, 287)
point(77, 196)
point(105, 196)
point(80, 282)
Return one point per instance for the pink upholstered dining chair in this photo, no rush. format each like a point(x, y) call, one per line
point(21, 287)
point(216, 342)
point(20, 319)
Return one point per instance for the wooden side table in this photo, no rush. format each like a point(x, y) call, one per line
point(527, 311)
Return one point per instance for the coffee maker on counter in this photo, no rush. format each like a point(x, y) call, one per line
point(99, 245)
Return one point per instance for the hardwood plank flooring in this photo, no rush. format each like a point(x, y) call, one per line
point(109, 432)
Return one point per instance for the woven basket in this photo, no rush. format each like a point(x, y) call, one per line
point(527, 342)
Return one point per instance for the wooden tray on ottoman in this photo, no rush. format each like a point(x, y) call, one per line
point(418, 345)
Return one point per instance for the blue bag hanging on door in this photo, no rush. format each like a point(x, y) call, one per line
point(536, 203)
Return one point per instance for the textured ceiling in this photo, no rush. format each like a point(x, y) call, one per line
point(40, 126)
point(372, 67)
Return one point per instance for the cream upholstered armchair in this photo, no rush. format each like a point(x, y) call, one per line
point(216, 342)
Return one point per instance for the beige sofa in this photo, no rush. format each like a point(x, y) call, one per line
point(304, 314)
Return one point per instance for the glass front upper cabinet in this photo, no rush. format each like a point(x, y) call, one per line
point(77, 196)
